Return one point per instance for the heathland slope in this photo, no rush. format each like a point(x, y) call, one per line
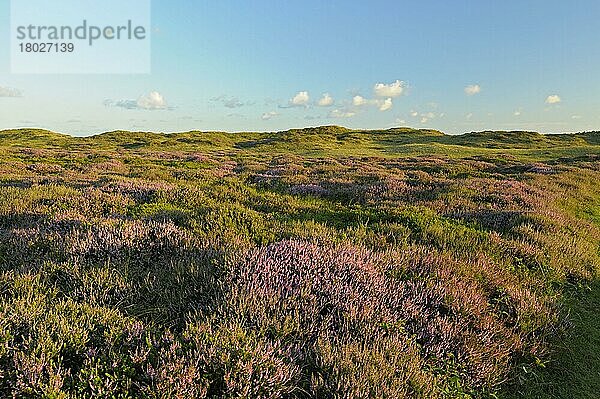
point(322, 262)
point(318, 141)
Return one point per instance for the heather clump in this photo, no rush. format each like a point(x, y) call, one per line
point(299, 291)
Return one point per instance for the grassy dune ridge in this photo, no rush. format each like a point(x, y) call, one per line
point(322, 262)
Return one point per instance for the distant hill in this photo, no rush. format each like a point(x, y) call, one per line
point(33, 137)
point(590, 137)
point(317, 141)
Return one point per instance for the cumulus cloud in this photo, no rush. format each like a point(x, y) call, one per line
point(386, 105)
point(10, 92)
point(576, 117)
point(341, 113)
point(326, 101)
point(395, 89)
point(553, 99)
point(469, 116)
point(269, 115)
point(517, 113)
point(359, 101)
point(383, 105)
point(471, 90)
point(153, 100)
point(300, 100)
point(150, 102)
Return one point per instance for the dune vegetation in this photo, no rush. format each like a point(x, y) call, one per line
point(312, 263)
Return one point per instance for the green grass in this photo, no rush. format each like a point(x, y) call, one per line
point(329, 141)
point(574, 370)
point(323, 262)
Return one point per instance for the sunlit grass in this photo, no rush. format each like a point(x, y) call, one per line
point(309, 263)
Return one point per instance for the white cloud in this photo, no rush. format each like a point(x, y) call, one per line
point(469, 116)
point(425, 116)
point(576, 117)
point(517, 113)
point(326, 101)
point(471, 90)
point(395, 89)
point(386, 105)
point(339, 113)
point(269, 115)
point(10, 92)
point(300, 100)
point(553, 99)
point(153, 100)
point(359, 101)
point(383, 105)
point(400, 121)
point(230, 102)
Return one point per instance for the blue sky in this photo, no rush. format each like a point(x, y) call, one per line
point(261, 65)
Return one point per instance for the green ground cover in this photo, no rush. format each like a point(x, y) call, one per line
point(322, 262)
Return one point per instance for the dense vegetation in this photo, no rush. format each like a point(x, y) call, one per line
point(310, 263)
